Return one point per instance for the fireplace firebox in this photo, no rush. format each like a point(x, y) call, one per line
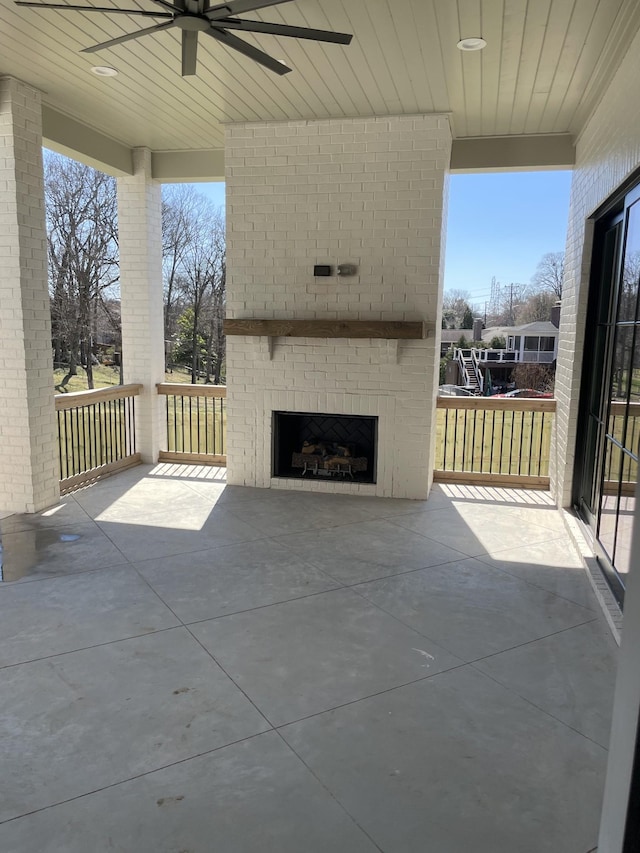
point(327, 446)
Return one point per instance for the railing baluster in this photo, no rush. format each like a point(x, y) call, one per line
point(183, 446)
point(493, 435)
point(134, 440)
point(99, 435)
point(197, 433)
point(533, 424)
point(473, 442)
point(455, 440)
point(521, 455)
point(73, 444)
point(513, 423)
point(60, 465)
point(211, 428)
point(206, 435)
point(121, 424)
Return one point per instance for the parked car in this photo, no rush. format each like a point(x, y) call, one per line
point(454, 391)
point(527, 392)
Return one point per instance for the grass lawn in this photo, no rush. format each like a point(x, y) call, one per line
point(493, 442)
point(196, 424)
point(105, 377)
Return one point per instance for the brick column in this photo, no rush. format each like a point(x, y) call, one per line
point(29, 478)
point(140, 238)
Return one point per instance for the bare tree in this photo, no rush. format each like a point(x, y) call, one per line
point(195, 279)
point(540, 377)
point(81, 213)
point(549, 273)
point(216, 341)
point(536, 306)
point(457, 310)
point(182, 212)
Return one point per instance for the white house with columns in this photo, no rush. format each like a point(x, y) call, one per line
point(346, 160)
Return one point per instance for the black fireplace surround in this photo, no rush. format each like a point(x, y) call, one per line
point(339, 448)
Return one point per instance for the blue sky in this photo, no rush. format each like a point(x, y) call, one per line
point(213, 191)
point(500, 224)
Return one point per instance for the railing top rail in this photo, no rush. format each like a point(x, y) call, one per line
point(619, 407)
point(179, 389)
point(77, 399)
point(504, 404)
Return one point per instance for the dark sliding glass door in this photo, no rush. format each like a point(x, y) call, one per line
point(609, 440)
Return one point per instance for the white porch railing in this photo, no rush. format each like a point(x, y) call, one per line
point(497, 356)
point(485, 357)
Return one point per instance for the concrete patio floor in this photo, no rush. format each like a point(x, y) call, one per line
point(189, 667)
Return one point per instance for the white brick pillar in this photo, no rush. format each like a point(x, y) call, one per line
point(140, 238)
point(29, 478)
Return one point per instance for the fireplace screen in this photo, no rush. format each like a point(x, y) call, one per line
point(337, 447)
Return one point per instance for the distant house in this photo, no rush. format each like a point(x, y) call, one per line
point(530, 343)
point(450, 337)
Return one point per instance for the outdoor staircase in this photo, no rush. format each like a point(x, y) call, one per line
point(470, 371)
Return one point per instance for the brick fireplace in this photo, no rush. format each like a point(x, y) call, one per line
point(326, 446)
point(367, 192)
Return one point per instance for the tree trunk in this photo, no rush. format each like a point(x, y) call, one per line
point(89, 367)
point(194, 346)
point(73, 371)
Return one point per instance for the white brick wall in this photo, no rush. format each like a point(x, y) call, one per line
point(607, 152)
point(367, 191)
point(140, 240)
point(29, 478)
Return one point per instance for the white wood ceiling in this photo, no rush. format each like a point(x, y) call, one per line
point(544, 68)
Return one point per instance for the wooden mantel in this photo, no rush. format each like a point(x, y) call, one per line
point(385, 329)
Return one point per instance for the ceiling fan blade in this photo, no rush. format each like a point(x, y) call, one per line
point(177, 7)
point(238, 7)
point(248, 50)
point(284, 30)
point(128, 37)
point(108, 9)
point(189, 53)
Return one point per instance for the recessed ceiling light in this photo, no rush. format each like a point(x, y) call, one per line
point(104, 71)
point(475, 43)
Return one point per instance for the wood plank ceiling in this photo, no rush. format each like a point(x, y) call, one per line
point(544, 68)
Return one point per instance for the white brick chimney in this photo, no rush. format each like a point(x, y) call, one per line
point(364, 191)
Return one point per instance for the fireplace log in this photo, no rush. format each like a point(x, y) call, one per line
point(302, 460)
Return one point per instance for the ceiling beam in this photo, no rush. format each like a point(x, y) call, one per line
point(513, 153)
point(77, 140)
point(188, 166)
point(472, 154)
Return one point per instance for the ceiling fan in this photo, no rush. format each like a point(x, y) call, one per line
point(198, 16)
